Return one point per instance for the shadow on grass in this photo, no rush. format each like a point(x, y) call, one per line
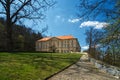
point(33, 65)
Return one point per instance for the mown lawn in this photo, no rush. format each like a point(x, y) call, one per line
point(33, 66)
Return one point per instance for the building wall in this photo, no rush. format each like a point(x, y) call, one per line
point(62, 46)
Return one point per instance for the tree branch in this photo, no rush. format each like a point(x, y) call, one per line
point(24, 4)
point(4, 5)
point(95, 8)
point(2, 13)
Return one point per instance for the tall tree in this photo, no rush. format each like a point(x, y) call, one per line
point(89, 37)
point(16, 10)
point(93, 37)
point(24, 38)
point(110, 10)
point(93, 9)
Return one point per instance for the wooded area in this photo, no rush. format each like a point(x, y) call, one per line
point(23, 38)
point(104, 44)
point(15, 11)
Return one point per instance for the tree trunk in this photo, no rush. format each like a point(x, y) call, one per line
point(90, 41)
point(9, 28)
point(9, 37)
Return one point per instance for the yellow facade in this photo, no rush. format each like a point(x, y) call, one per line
point(55, 44)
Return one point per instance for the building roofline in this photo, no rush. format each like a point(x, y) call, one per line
point(67, 37)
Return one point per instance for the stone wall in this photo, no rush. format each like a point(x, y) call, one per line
point(112, 70)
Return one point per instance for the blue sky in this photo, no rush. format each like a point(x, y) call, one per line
point(62, 19)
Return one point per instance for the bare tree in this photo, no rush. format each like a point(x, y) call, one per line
point(110, 11)
point(93, 37)
point(89, 37)
point(98, 8)
point(16, 10)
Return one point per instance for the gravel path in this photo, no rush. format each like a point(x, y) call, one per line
point(82, 70)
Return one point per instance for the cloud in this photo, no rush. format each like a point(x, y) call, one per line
point(97, 46)
point(85, 47)
point(95, 24)
point(74, 20)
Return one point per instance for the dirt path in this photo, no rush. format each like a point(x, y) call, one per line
point(82, 70)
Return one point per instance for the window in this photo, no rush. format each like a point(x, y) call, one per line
point(71, 43)
point(66, 45)
point(60, 43)
point(39, 46)
point(74, 43)
point(63, 45)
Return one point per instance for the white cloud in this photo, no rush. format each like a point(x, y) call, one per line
point(95, 24)
point(96, 46)
point(85, 47)
point(74, 20)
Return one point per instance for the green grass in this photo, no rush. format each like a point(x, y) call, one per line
point(33, 66)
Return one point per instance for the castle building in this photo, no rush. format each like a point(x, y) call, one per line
point(61, 44)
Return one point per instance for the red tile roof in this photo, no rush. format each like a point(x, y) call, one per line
point(65, 37)
point(45, 39)
point(59, 37)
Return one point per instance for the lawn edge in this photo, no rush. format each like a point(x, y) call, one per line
point(61, 70)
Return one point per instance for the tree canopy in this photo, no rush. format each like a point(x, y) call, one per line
point(23, 38)
point(108, 38)
point(17, 10)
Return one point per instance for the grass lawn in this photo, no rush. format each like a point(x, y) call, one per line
point(33, 66)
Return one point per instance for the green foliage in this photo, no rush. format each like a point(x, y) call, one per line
point(2, 37)
point(23, 38)
point(109, 37)
point(33, 66)
point(20, 42)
